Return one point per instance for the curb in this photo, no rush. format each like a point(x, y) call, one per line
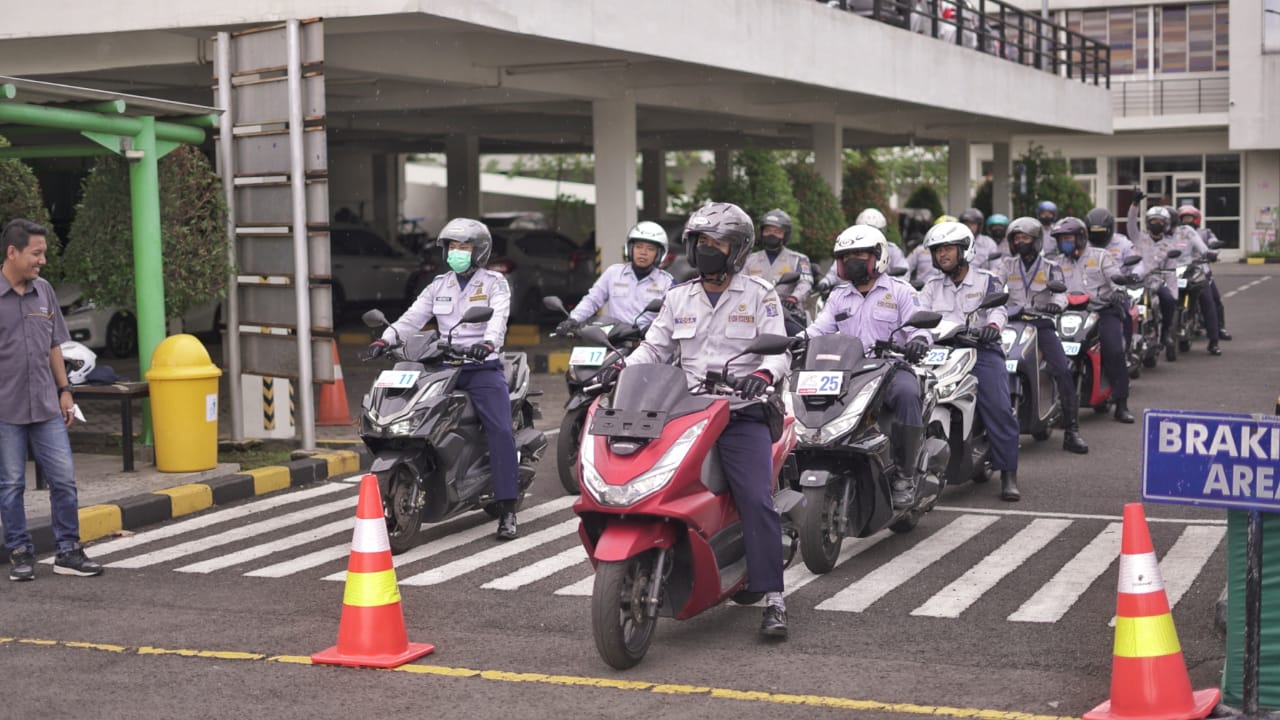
point(137, 511)
point(1261, 260)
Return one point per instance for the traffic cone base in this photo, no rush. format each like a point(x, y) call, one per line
point(1202, 703)
point(332, 410)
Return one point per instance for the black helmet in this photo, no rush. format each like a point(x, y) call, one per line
point(466, 230)
point(1026, 226)
point(1102, 225)
point(973, 215)
point(723, 221)
point(780, 219)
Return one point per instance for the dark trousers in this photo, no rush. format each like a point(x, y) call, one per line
point(1210, 301)
point(902, 398)
point(1111, 320)
point(994, 407)
point(1123, 300)
point(1051, 350)
point(746, 456)
point(1217, 300)
point(487, 386)
point(1168, 307)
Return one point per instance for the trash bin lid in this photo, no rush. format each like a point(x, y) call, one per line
point(181, 357)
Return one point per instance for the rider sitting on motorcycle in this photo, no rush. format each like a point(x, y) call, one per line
point(625, 288)
point(870, 305)
point(1189, 215)
point(893, 255)
point(467, 245)
point(704, 322)
point(1154, 245)
point(983, 246)
point(955, 293)
point(1102, 234)
point(920, 262)
point(1027, 275)
point(776, 259)
point(1089, 270)
point(997, 230)
point(1047, 214)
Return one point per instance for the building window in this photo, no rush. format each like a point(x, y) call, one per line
point(1187, 37)
point(1222, 169)
point(1222, 33)
point(1271, 26)
point(1210, 182)
point(1084, 166)
point(1125, 171)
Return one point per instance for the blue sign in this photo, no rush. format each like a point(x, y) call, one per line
point(1225, 460)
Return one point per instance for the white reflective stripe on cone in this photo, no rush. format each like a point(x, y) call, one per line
point(370, 536)
point(1140, 574)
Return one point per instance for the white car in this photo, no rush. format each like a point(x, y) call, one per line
point(114, 331)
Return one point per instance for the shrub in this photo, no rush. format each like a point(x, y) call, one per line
point(20, 197)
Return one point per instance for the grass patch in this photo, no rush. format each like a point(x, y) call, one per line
point(254, 456)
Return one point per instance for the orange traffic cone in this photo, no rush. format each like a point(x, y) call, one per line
point(1148, 675)
point(371, 632)
point(333, 408)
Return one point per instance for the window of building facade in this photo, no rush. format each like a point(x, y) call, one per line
point(1210, 182)
point(1186, 37)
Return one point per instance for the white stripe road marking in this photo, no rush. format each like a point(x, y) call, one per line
point(544, 568)
point(449, 542)
point(238, 512)
point(494, 554)
point(582, 588)
point(236, 534)
point(1055, 597)
point(551, 433)
point(1182, 564)
point(259, 551)
point(965, 591)
point(1074, 516)
point(798, 576)
point(1242, 288)
point(879, 582)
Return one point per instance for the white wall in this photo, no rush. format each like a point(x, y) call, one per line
point(1255, 81)
point(1260, 189)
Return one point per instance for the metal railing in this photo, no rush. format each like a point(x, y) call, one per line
point(996, 28)
point(1171, 96)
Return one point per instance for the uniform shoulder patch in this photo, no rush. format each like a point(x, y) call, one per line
point(759, 281)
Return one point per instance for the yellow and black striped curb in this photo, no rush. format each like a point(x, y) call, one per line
point(1260, 260)
point(137, 511)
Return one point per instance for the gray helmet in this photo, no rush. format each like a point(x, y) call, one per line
point(721, 221)
point(473, 232)
point(1026, 226)
point(972, 215)
point(778, 218)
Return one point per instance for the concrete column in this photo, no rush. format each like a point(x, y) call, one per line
point(462, 174)
point(957, 177)
point(724, 165)
point(1000, 189)
point(828, 154)
point(613, 130)
point(653, 184)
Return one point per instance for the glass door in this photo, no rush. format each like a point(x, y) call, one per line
point(1188, 190)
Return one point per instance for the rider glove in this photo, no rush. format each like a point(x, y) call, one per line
point(1050, 308)
point(1138, 195)
point(481, 351)
point(752, 386)
point(989, 334)
point(608, 375)
point(376, 348)
point(568, 327)
point(915, 350)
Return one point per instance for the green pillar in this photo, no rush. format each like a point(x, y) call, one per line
point(144, 186)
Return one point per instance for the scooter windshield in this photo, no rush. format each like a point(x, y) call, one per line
point(421, 347)
point(834, 352)
point(656, 388)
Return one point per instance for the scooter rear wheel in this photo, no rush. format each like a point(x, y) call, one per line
point(567, 446)
point(621, 627)
point(819, 540)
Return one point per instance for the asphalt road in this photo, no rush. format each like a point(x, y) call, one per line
point(176, 628)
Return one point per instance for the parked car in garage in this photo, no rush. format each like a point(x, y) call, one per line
point(113, 331)
point(368, 270)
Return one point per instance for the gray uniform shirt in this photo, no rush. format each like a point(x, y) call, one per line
point(1028, 285)
point(446, 301)
point(983, 248)
point(31, 325)
point(920, 265)
point(623, 295)
point(954, 301)
point(788, 260)
point(707, 336)
point(1091, 273)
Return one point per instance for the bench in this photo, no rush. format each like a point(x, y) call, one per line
point(124, 393)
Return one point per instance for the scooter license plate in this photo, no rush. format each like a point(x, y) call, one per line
point(1142, 311)
point(1182, 283)
point(937, 356)
point(587, 356)
point(817, 382)
point(1011, 366)
point(1071, 348)
point(397, 379)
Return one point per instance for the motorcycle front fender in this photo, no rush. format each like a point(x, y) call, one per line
point(627, 537)
point(388, 459)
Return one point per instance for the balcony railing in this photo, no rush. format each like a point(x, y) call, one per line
point(1171, 96)
point(995, 28)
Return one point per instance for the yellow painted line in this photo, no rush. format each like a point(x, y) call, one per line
point(523, 335)
point(98, 521)
point(269, 479)
point(339, 442)
point(189, 498)
point(752, 696)
point(558, 362)
point(1256, 261)
point(354, 338)
point(340, 462)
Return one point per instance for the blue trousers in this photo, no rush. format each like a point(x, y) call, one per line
point(1051, 350)
point(902, 398)
point(52, 450)
point(1111, 322)
point(1168, 306)
point(487, 386)
point(746, 456)
point(994, 407)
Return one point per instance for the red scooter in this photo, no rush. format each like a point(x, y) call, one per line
point(658, 520)
point(1078, 329)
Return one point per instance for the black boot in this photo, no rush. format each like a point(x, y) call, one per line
point(1122, 412)
point(1071, 440)
point(1009, 486)
point(905, 441)
point(507, 521)
point(1214, 349)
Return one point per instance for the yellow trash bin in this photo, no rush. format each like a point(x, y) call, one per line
point(184, 405)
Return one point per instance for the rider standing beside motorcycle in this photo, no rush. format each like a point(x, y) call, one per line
point(1089, 270)
point(625, 288)
point(870, 305)
point(955, 293)
point(983, 246)
point(1189, 215)
point(1027, 275)
point(894, 259)
point(776, 259)
point(467, 245)
point(706, 321)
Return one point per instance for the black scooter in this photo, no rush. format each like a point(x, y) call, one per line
point(1032, 392)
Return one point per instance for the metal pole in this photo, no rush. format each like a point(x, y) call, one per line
point(301, 275)
point(226, 157)
point(148, 264)
point(1252, 610)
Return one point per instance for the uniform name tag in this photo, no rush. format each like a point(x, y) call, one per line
point(811, 382)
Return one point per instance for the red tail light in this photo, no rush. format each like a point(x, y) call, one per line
point(504, 266)
point(576, 257)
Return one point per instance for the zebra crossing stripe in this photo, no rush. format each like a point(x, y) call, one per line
point(260, 551)
point(1056, 597)
point(797, 576)
point(879, 582)
point(965, 591)
point(544, 568)
point(582, 588)
point(494, 554)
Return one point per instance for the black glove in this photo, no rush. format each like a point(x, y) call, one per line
point(608, 375)
point(568, 327)
point(988, 334)
point(480, 352)
point(823, 286)
point(377, 348)
point(1138, 195)
point(1050, 308)
point(915, 350)
point(750, 387)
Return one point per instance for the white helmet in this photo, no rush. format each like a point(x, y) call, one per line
point(79, 360)
point(872, 217)
point(951, 233)
point(650, 232)
point(864, 237)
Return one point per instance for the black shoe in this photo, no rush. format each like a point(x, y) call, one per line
point(1224, 335)
point(1009, 486)
point(1215, 350)
point(1073, 443)
point(774, 624)
point(507, 526)
point(75, 562)
point(1122, 412)
point(24, 566)
point(904, 493)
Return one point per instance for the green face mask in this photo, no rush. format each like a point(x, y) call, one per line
point(459, 260)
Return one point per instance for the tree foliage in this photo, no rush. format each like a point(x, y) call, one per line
point(819, 218)
point(193, 227)
point(983, 199)
point(20, 197)
point(1047, 178)
point(865, 186)
point(925, 196)
point(757, 183)
point(907, 168)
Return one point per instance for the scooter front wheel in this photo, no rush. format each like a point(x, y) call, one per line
point(820, 539)
point(404, 517)
point(622, 628)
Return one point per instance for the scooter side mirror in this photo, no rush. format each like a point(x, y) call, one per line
point(374, 319)
point(654, 305)
point(1056, 286)
point(790, 278)
point(1132, 260)
point(596, 335)
point(555, 304)
point(924, 319)
point(995, 256)
point(768, 344)
point(1173, 254)
point(477, 314)
point(1216, 244)
point(898, 271)
point(994, 300)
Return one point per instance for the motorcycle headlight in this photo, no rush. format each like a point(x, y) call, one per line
point(402, 427)
point(1069, 325)
point(643, 485)
point(852, 414)
point(1008, 337)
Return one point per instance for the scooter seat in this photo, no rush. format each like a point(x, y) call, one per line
point(511, 363)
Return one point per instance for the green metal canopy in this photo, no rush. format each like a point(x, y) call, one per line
point(47, 120)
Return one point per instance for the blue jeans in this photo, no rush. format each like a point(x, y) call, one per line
point(52, 449)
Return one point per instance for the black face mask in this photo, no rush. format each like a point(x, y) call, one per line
point(856, 271)
point(711, 261)
point(996, 233)
point(771, 242)
point(1027, 250)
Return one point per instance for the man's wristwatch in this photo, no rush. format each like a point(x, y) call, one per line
point(64, 388)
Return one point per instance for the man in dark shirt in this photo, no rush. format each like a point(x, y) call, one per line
point(36, 406)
